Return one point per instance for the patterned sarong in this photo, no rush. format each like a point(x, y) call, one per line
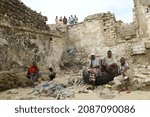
point(93, 74)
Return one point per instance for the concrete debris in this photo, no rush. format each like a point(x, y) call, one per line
point(142, 76)
point(106, 93)
point(57, 91)
point(12, 92)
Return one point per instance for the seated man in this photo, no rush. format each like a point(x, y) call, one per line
point(94, 69)
point(52, 74)
point(93, 75)
point(111, 64)
point(33, 72)
point(125, 74)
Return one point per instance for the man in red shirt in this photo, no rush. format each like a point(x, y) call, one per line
point(33, 72)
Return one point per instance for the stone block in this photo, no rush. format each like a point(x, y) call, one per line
point(147, 82)
point(142, 70)
point(147, 45)
point(148, 68)
point(138, 48)
point(141, 76)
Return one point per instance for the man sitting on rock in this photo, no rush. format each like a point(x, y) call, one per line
point(94, 69)
point(52, 74)
point(124, 76)
point(33, 72)
point(111, 64)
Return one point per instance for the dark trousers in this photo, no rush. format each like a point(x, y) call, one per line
point(33, 77)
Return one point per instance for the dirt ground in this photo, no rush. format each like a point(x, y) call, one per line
point(23, 93)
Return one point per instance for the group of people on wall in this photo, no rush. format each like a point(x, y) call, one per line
point(65, 20)
point(99, 72)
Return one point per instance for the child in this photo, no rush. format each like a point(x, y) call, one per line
point(123, 79)
point(52, 74)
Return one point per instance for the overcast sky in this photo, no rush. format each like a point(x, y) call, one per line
point(82, 8)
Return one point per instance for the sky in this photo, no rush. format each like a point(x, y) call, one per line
point(82, 8)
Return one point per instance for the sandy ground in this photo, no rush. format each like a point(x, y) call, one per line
point(22, 93)
point(92, 95)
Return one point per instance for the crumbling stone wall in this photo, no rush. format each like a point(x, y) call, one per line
point(97, 34)
point(142, 17)
point(25, 37)
point(19, 48)
point(101, 32)
point(15, 13)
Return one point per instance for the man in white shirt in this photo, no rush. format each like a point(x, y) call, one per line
point(94, 69)
point(94, 62)
point(56, 20)
point(111, 64)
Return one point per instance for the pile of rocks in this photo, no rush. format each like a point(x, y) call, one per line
point(51, 89)
point(142, 74)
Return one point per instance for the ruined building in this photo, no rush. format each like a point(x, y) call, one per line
point(25, 37)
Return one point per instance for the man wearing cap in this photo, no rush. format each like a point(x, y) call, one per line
point(94, 69)
point(94, 61)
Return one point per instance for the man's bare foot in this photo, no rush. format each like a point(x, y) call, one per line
point(121, 90)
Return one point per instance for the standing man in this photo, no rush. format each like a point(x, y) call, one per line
point(75, 19)
point(65, 20)
point(69, 20)
point(72, 19)
point(56, 20)
point(60, 20)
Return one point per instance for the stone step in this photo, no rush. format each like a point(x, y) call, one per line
point(147, 45)
point(138, 48)
point(141, 76)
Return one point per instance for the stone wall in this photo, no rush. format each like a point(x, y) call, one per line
point(101, 32)
point(142, 17)
point(25, 37)
point(97, 34)
point(15, 13)
point(19, 48)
